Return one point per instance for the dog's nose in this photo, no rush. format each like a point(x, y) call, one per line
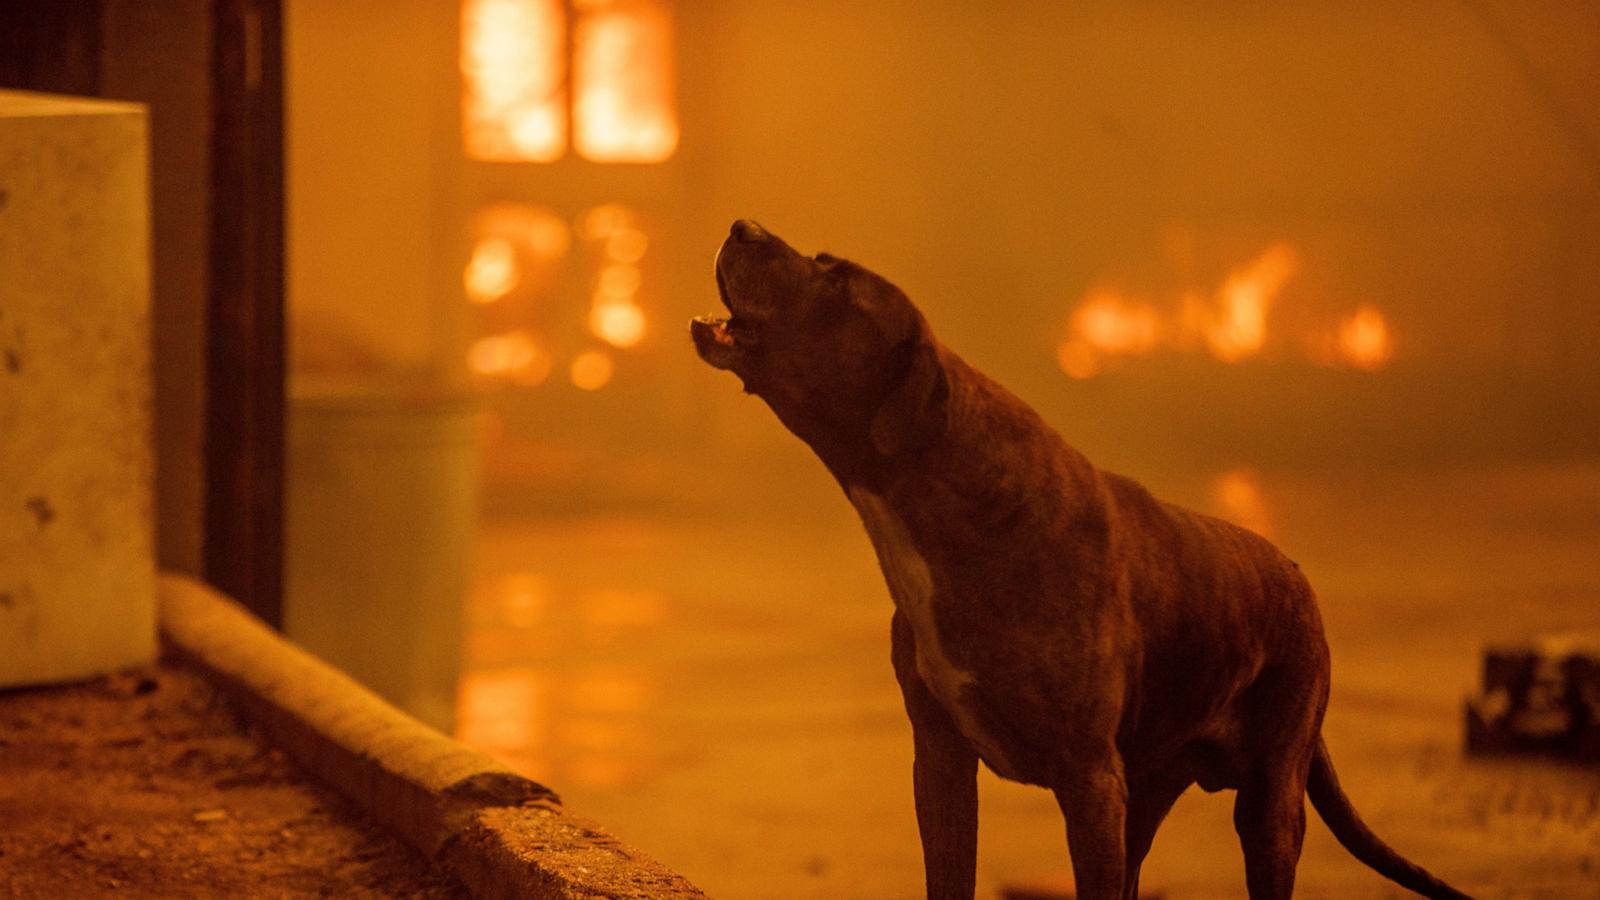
point(747, 230)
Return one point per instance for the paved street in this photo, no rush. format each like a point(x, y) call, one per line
point(712, 681)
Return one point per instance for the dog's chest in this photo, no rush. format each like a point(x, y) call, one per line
point(912, 587)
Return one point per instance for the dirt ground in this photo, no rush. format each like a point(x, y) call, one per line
point(144, 784)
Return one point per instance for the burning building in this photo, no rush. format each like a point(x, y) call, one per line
point(1329, 272)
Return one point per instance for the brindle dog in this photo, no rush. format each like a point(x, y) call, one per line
point(1051, 619)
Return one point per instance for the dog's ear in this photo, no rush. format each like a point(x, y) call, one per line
point(916, 411)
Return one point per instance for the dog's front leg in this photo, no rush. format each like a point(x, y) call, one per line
point(944, 777)
point(1094, 802)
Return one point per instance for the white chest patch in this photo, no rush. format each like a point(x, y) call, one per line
point(911, 586)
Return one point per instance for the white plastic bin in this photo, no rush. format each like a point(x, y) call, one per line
point(380, 521)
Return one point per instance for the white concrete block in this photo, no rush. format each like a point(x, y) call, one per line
point(77, 570)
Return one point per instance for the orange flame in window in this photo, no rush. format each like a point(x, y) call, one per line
point(492, 271)
point(622, 72)
point(513, 66)
point(615, 315)
point(517, 247)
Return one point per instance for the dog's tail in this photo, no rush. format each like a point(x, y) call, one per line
point(1335, 809)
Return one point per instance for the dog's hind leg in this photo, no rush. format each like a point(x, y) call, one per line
point(1269, 812)
point(1093, 800)
point(1270, 816)
point(1150, 797)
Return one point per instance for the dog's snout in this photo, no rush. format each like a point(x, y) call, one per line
point(747, 230)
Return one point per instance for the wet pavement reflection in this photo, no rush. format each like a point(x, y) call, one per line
point(715, 686)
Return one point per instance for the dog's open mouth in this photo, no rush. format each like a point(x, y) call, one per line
point(715, 340)
point(717, 327)
point(715, 337)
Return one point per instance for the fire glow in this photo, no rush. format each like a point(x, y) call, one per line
point(1363, 339)
point(622, 69)
point(1232, 326)
point(516, 247)
point(513, 70)
point(615, 315)
point(492, 271)
point(517, 255)
point(516, 356)
point(1239, 327)
point(513, 276)
point(516, 77)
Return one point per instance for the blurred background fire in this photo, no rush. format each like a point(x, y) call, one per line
point(1329, 270)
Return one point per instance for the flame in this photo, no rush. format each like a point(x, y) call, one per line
point(1107, 324)
point(615, 315)
point(622, 72)
point(519, 248)
point(620, 323)
point(1112, 324)
point(591, 370)
point(1240, 326)
point(1238, 495)
point(514, 355)
point(1232, 326)
point(513, 61)
point(492, 271)
point(1363, 339)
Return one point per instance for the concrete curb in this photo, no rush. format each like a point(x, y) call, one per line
point(501, 834)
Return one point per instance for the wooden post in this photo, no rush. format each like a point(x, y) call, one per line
point(244, 360)
point(51, 46)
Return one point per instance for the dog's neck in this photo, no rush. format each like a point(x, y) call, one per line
point(996, 456)
point(839, 441)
